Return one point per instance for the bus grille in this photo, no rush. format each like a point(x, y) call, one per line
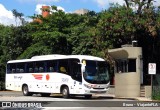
point(98, 88)
point(97, 91)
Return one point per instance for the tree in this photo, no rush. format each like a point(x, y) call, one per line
point(138, 4)
point(18, 15)
point(90, 34)
point(4, 57)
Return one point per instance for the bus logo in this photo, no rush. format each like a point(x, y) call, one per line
point(38, 76)
point(47, 77)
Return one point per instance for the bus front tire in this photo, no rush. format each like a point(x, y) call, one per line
point(65, 92)
point(25, 91)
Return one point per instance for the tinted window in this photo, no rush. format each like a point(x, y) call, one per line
point(126, 65)
point(51, 66)
point(20, 67)
point(132, 65)
point(29, 67)
point(75, 69)
point(63, 66)
point(16, 68)
point(39, 67)
point(96, 72)
point(11, 68)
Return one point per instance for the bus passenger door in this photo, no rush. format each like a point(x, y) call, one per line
point(77, 87)
point(75, 69)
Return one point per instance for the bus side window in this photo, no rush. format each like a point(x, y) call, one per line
point(75, 70)
point(17, 70)
point(21, 70)
point(29, 67)
point(30, 70)
point(63, 66)
point(12, 67)
point(63, 69)
point(9, 68)
point(20, 67)
point(13, 70)
point(51, 69)
point(41, 69)
point(51, 66)
point(39, 66)
point(36, 70)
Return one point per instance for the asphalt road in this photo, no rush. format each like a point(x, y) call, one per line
point(56, 102)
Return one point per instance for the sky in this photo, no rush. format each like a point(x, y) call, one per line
point(31, 7)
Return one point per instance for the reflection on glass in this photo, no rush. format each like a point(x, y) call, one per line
point(96, 72)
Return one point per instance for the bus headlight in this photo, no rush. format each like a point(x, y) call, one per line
point(87, 86)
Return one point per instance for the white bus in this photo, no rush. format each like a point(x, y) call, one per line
point(64, 74)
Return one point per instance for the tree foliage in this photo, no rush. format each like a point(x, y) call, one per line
point(90, 34)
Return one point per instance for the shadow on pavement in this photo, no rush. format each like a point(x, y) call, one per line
point(83, 98)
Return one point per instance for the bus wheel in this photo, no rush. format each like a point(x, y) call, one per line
point(65, 92)
point(25, 91)
point(88, 96)
point(45, 94)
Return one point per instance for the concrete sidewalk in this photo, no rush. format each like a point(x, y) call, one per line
point(143, 99)
point(130, 98)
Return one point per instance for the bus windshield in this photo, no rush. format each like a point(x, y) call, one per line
point(96, 72)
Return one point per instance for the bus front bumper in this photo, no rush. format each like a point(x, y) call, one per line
point(87, 91)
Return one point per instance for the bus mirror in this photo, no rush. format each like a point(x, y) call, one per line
point(84, 62)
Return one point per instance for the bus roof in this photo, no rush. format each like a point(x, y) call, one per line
point(55, 57)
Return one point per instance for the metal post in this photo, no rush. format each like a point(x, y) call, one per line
point(152, 87)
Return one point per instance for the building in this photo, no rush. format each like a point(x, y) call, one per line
point(128, 72)
point(81, 11)
point(45, 13)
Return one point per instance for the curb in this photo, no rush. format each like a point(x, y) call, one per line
point(10, 91)
point(127, 98)
point(138, 99)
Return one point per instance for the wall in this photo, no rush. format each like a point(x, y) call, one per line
point(127, 85)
